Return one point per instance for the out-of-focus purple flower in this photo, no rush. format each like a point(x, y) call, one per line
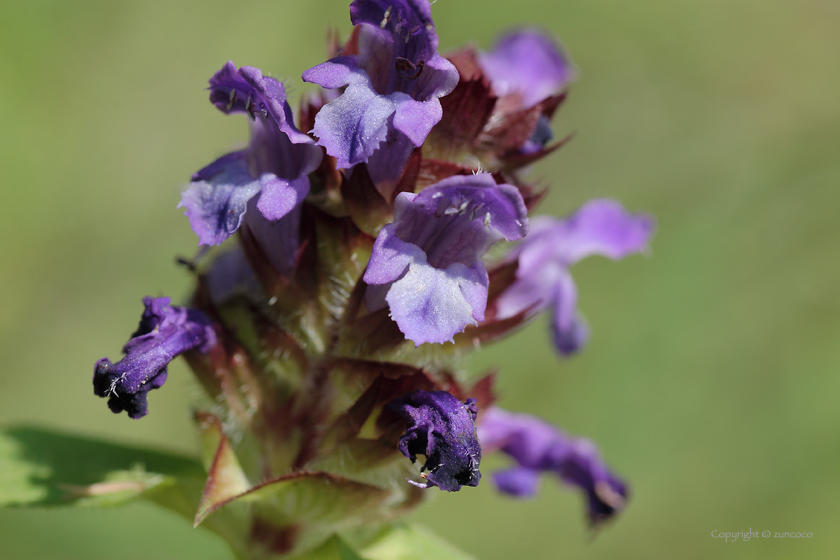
point(276, 165)
point(392, 87)
point(426, 266)
point(443, 429)
point(528, 64)
point(600, 227)
point(538, 447)
point(164, 333)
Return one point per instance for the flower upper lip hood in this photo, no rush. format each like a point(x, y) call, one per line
point(392, 85)
point(528, 64)
point(427, 264)
point(247, 91)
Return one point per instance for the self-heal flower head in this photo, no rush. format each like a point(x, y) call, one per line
point(443, 429)
point(543, 280)
point(393, 86)
point(538, 447)
point(164, 333)
point(527, 64)
point(426, 266)
point(276, 165)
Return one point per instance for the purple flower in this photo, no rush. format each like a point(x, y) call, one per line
point(527, 64)
point(443, 429)
point(426, 266)
point(538, 447)
point(276, 165)
point(392, 87)
point(164, 333)
point(600, 227)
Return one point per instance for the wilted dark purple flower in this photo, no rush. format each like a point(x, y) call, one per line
point(426, 266)
point(392, 87)
point(600, 227)
point(276, 165)
point(164, 333)
point(538, 447)
point(443, 429)
point(528, 64)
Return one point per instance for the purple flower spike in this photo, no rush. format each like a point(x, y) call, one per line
point(538, 447)
point(529, 64)
point(443, 429)
point(276, 163)
point(392, 86)
point(426, 266)
point(600, 227)
point(164, 333)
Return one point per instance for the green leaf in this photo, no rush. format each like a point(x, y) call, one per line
point(410, 542)
point(394, 542)
point(44, 468)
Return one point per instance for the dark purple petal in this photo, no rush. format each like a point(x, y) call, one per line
point(228, 274)
point(526, 63)
point(522, 483)
point(600, 227)
point(247, 91)
point(271, 150)
point(431, 255)
point(164, 333)
point(279, 239)
point(218, 197)
point(539, 447)
point(443, 429)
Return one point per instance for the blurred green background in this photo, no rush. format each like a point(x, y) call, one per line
point(711, 380)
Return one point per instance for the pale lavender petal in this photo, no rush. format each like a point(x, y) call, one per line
point(430, 304)
point(529, 64)
point(416, 119)
point(390, 257)
point(281, 196)
point(353, 126)
point(441, 428)
point(216, 202)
